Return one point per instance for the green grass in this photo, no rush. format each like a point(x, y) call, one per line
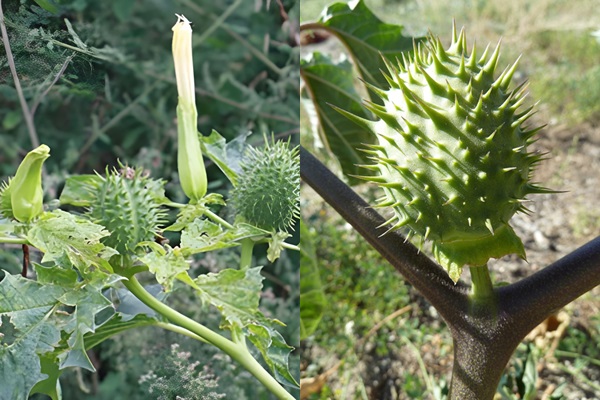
point(362, 290)
point(566, 76)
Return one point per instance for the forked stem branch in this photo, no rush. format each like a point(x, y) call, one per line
point(487, 324)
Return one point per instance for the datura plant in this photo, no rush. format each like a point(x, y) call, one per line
point(452, 154)
point(446, 137)
point(115, 233)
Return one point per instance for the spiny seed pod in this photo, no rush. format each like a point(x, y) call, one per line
point(268, 187)
point(22, 197)
point(125, 205)
point(452, 152)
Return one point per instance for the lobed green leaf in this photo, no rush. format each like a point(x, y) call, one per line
point(79, 190)
point(334, 83)
point(39, 336)
point(166, 266)
point(274, 350)
point(227, 156)
point(235, 293)
point(368, 42)
point(366, 38)
point(67, 239)
point(203, 235)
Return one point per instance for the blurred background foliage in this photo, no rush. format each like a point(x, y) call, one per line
point(367, 344)
point(555, 38)
point(99, 79)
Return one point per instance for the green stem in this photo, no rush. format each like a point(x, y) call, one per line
point(290, 246)
point(217, 219)
point(483, 299)
point(578, 375)
point(174, 204)
point(180, 330)
point(237, 352)
point(246, 256)
point(238, 338)
point(285, 245)
point(207, 212)
point(563, 353)
point(10, 240)
point(481, 288)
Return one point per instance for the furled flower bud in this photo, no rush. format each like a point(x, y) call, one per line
point(22, 198)
point(192, 173)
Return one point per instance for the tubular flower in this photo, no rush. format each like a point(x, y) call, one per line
point(22, 198)
point(192, 173)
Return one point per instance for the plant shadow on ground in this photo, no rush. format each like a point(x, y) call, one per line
point(410, 355)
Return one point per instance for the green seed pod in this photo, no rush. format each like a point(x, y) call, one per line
point(268, 187)
point(125, 204)
point(22, 198)
point(452, 152)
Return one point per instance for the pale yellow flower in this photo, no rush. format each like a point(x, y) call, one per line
point(182, 56)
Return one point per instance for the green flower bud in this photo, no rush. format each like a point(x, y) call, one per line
point(192, 173)
point(22, 198)
point(268, 187)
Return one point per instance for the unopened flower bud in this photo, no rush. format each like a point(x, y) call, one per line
point(190, 164)
point(24, 192)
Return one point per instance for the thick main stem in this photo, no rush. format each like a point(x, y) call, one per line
point(237, 352)
point(480, 357)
